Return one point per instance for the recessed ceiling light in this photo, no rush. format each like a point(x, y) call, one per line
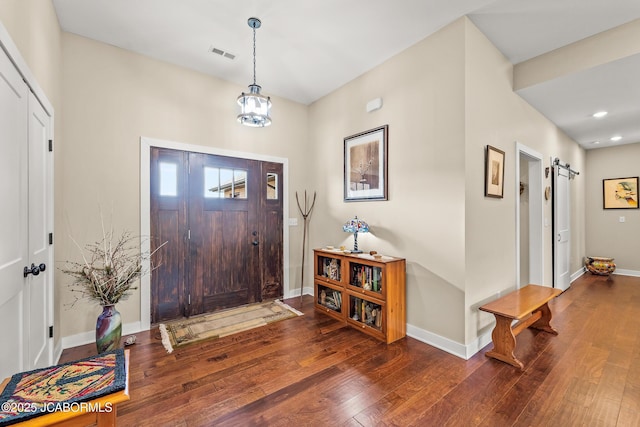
point(600, 114)
point(596, 142)
point(616, 138)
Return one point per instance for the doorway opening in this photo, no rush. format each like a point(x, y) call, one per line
point(529, 217)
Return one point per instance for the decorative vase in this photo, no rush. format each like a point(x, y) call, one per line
point(108, 329)
point(601, 266)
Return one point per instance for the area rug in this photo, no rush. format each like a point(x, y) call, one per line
point(38, 392)
point(223, 323)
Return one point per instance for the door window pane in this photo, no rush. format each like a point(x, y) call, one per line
point(239, 184)
point(168, 179)
point(225, 183)
point(272, 186)
point(212, 182)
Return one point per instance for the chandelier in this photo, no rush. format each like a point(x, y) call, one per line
point(255, 108)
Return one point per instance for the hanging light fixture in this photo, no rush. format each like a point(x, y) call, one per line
point(255, 108)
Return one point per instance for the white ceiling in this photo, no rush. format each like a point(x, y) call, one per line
point(306, 49)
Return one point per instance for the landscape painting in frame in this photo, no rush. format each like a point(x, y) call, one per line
point(620, 193)
point(365, 165)
point(494, 173)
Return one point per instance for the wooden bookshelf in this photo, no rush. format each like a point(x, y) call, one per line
point(365, 292)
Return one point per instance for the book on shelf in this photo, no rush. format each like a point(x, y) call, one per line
point(366, 277)
point(331, 268)
point(337, 297)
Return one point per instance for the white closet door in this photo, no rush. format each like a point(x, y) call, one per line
point(37, 292)
point(13, 215)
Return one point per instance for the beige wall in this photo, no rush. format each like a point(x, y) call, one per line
point(497, 116)
point(445, 99)
point(33, 27)
point(606, 235)
point(112, 98)
point(423, 220)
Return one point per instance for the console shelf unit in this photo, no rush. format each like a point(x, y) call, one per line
point(363, 291)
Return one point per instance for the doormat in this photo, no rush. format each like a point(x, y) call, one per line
point(223, 323)
point(42, 391)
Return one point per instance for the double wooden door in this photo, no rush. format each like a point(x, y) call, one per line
point(222, 220)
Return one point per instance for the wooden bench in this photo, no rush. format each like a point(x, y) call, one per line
point(529, 306)
point(84, 416)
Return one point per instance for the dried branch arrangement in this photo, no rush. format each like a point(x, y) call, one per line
point(109, 268)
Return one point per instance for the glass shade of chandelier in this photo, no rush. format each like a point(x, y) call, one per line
point(355, 226)
point(254, 108)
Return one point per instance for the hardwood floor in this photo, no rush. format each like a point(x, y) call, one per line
point(309, 371)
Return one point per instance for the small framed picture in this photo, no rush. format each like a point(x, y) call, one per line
point(494, 172)
point(620, 193)
point(365, 165)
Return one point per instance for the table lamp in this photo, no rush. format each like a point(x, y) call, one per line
point(355, 226)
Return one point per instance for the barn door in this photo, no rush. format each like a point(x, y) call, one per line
point(561, 227)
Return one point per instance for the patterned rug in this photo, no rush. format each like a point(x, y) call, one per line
point(34, 393)
point(223, 323)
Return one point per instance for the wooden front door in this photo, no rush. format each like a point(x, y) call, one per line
point(224, 242)
point(224, 228)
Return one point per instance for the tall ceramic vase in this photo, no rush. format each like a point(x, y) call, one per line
point(108, 329)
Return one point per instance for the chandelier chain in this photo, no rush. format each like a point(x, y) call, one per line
point(254, 55)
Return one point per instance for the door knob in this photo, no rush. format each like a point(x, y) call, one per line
point(34, 269)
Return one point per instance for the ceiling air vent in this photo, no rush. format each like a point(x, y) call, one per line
point(221, 52)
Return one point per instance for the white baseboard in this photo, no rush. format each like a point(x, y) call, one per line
point(445, 344)
point(624, 272)
point(434, 340)
point(620, 271)
point(296, 292)
point(57, 352)
point(577, 274)
point(90, 336)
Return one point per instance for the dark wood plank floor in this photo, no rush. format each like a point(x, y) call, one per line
point(310, 371)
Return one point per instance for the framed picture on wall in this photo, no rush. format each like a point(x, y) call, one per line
point(620, 193)
point(494, 172)
point(365, 165)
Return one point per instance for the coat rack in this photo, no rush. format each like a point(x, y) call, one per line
point(305, 214)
